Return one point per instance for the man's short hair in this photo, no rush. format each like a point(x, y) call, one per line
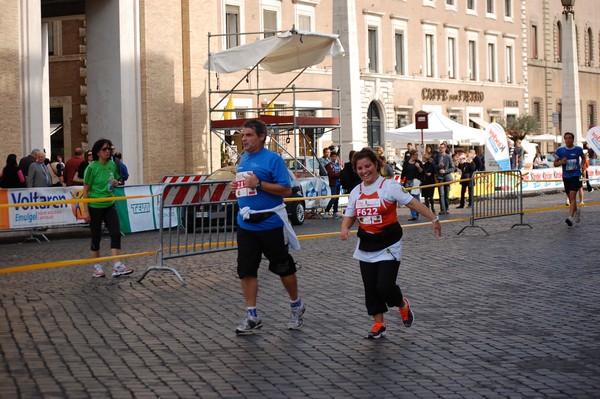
point(257, 125)
point(78, 152)
point(334, 153)
point(571, 134)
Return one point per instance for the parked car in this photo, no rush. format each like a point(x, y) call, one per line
point(305, 167)
point(225, 213)
point(548, 159)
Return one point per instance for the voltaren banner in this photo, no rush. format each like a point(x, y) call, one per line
point(25, 216)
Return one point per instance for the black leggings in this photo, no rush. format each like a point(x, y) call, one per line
point(111, 220)
point(379, 279)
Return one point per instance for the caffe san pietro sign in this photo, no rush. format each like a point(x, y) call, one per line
point(445, 95)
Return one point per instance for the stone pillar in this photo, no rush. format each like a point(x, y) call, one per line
point(571, 108)
point(346, 76)
point(34, 79)
point(113, 79)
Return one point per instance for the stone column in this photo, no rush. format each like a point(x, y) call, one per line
point(346, 76)
point(34, 78)
point(571, 108)
point(113, 79)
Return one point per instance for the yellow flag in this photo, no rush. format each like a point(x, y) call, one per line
point(270, 108)
point(228, 114)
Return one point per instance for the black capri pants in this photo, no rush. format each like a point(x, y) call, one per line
point(381, 290)
point(111, 220)
point(253, 244)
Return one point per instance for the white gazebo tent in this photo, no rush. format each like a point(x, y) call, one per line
point(440, 128)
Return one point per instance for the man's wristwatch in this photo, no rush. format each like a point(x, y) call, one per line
point(258, 185)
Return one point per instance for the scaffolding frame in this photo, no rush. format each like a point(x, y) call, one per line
point(283, 122)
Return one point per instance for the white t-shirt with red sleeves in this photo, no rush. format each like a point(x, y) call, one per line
point(365, 202)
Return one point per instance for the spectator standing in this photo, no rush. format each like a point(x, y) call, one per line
point(585, 174)
point(333, 173)
point(412, 173)
point(72, 166)
point(324, 160)
point(89, 158)
point(467, 167)
point(12, 176)
point(25, 162)
point(476, 160)
point(385, 170)
point(517, 155)
point(123, 172)
point(407, 155)
point(568, 157)
point(55, 179)
point(444, 168)
point(428, 179)
point(99, 180)
point(379, 249)
point(261, 182)
point(348, 177)
point(39, 175)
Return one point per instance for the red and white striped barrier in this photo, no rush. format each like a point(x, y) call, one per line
point(183, 178)
point(195, 192)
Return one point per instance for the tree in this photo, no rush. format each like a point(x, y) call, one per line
point(519, 127)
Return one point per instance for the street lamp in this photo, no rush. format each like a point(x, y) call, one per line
point(568, 6)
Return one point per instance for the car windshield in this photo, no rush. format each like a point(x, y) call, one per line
point(300, 164)
point(222, 174)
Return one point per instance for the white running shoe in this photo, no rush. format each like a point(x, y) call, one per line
point(121, 270)
point(99, 271)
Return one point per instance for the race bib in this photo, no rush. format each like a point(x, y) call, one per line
point(240, 186)
point(571, 164)
point(367, 211)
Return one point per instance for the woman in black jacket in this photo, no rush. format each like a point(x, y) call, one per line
point(11, 176)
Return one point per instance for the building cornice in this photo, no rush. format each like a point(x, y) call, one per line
point(373, 13)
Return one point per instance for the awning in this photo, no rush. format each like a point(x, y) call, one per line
point(55, 128)
point(478, 121)
point(285, 52)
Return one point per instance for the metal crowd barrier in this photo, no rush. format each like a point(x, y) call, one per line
point(496, 194)
point(195, 218)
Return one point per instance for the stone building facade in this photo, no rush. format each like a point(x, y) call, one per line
point(133, 71)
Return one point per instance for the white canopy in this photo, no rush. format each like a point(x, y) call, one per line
point(540, 138)
point(440, 128)
point(285, 52)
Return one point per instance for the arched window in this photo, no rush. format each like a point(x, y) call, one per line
point(373, 126)
point(558, 47)
point(589, 47)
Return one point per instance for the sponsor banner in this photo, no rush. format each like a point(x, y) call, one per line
point(315, 187)
point(497, 145)
point(142, 214)
point(27, 217)
point(534, 179)
point(593, 139)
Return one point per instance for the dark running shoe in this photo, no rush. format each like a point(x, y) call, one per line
point(407, 315)
point(569, 221)
point(377, 331)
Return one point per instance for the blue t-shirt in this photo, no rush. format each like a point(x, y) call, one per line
point(270, 168)
point(572, 168)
